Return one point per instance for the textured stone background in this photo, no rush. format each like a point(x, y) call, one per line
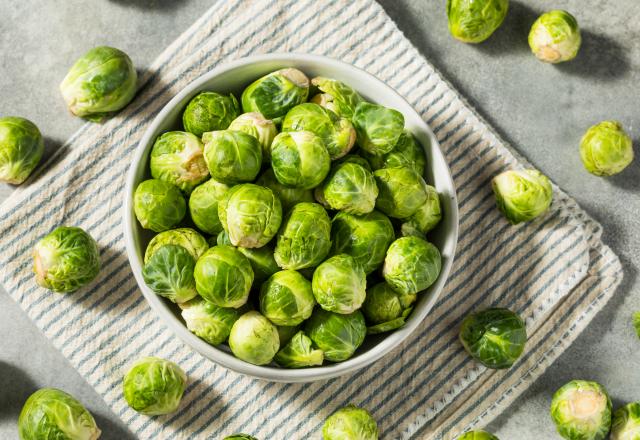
point(541, 110)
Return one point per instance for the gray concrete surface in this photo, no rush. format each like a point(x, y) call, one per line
point(542, 110)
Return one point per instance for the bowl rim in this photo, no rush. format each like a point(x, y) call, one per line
point(227, 360)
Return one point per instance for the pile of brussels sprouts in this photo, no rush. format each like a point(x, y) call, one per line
point(290, 224)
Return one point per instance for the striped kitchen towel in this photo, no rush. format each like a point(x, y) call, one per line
point(554, 271)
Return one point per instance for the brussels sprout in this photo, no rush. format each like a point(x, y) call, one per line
point(188, 238)
point(385, 309)
point(494, 337)
point(555, 37)
point(427, 216)
point(274, 94)
point(224, 276)
point(169, 273)
point(337, 335)
point(366, 238)
point(305, 237)
point(522, 195)
point(473, 21)
point(299, 353)
point(102, 81)
point(177, 158)
point(158, 205)
point(299, 159)
point(378, 128)
point(354, 158)
point(232, 156)
point(636, 323)
point(606, 149)
point(154, 386)
point(254, 339)
point(285, 333)
point(208, 321)
point(21, 149)
point(337, 133)
point(337, 96)
point(406, 153)
point(203, 205)
point(288, 196)
point(581, 410)
point(53, 414)
point(350, 187)
point(259, 127)
point(411, 265)
point(286, 298)
point(210, 111)
point(66, 259)
point(350, 423)
point(250, 214)
point(477, 435)
point(339, 284)
point(261, 259)
point(626, 422)
point(240, 437)
point(402, 191)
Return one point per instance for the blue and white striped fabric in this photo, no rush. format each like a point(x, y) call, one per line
point(554, 271)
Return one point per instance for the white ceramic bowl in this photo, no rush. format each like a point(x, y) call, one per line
point(233, 77)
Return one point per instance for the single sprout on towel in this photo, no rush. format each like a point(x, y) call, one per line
point(298, 352)
point(336, 96)
point(350, 422)
point(289, 197)
point(636, 323)
point(203, 205)
point(473, 21)
point(337, 335)
point(169, 273)
point(606, 149)
point(101, 82)
point(555, 37)
point(582, 410)
point(626, 422)
point(411, 265)
point(522, 195)
point(188, 238)
point(154, 386)
point(232, 156)
point(177, 158)
point(53, 414)
point(494, 337)
point(261, 128)
point(378, 128)
point(208, 321)
point(339, 284)
point(299, 159)
point(477, 435)
point(275, 94)
point(385, 309)
point(210, 111)
point(407, 152)
point(21, 148)
point(66, 259)
point(254, 339)
point(401, 191)
point(240, 437)
point(286, 298)
point(351, 188)
point(158, 205)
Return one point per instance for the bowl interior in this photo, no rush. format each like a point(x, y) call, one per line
point(233, 78)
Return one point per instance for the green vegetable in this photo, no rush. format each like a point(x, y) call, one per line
point(224, 277)
point(406, 153)
point(522, 195)
point(337, 133)
point(203, 205)
point(339, 284)
point(606, 149)
point(232, 156)
point(254, 339)
point(208, 321)
point(53, 414)
point(494, 337)
point(261, 259)
point(626, 422)
point(177, 158)
point(286, 333)
point(427, 216)
point(286, 298)
point(240, 437)
point(299, 353)
point(473, 21)
point(169, 273)
point(275, 94)
point(256, 125)
point(350, 187)
point(66, 259)
point(102, 81)
point(378, 128)
point(304, 239)
point(350, 423)
point(158, 205)
point(477, 435)
point(411, 265)
point(188, 238)
point(210, 111)
point(581, 410)
point(555, 37)
point(402, 191)
point(337, 335)
point(337, 96)
point(154, 386)
point(21, 148)
point(636, 323)
point(250, 214)
point(366, 238)
point(299, 159)
point(385, 309)
point(288, 196)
